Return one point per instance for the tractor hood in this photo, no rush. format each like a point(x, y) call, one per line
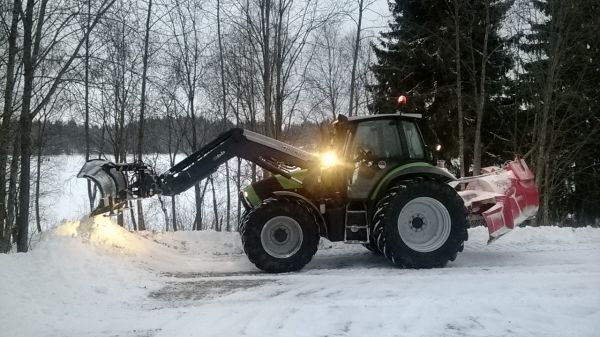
point(258, 191)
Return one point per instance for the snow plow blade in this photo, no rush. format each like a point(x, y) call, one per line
point(111, 183)
point(501, 198)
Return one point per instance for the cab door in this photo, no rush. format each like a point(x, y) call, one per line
point(375, 148)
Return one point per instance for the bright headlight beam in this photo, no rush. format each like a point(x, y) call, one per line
point(328, 159)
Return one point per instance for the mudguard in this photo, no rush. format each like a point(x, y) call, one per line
point(408, 171)
point(258, 191)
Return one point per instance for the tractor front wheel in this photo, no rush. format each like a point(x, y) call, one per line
point(420, 224)
point(279, 235)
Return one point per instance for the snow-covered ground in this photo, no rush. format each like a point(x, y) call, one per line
point(92, 278)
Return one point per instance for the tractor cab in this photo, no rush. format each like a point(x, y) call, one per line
point(371, 148)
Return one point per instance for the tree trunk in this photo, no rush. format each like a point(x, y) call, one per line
point(5, 227)
point(11, 209)
point(215, 208)
point(132, 215)
point(541, 173)
point(278, 65)
point(224, 105)
point(481, 99)
point(460, 117)
point(238, 185)
point(38, 173)
point(355, 57)
point(265, 11)
point(172, 156)
point(546, 200)
point(165, 212)
point(140, 207)
point(38, 176)
point(174, 213)
point(198, 195)
point(86, 123)
point(228, 196)
point(120, 155)
point(198, 218)
point(25, 124)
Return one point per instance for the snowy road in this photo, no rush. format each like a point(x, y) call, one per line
point(98, 280)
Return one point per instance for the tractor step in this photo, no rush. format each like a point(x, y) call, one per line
point(356, 225)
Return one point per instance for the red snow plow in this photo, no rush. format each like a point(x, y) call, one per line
point(501, 197)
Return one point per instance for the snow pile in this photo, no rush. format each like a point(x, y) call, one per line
point(527, 237)
point(207, 242)
point(69, 275)
point(166, 252)
point(102, 232)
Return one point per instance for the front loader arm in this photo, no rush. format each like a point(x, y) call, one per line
point(120, 182)
point(266, 152)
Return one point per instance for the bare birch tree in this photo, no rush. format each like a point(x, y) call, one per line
point(33, 54)
point(7, 112)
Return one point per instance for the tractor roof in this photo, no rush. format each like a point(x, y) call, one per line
point(379, 116)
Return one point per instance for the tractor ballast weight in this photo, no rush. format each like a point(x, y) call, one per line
point(375, 185)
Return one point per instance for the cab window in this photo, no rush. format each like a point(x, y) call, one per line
point(413, 140)
point(380, 137)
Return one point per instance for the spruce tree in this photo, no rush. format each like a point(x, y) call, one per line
point(416, 57)
point(561, 83)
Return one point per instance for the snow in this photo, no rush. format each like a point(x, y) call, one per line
point(93, 278)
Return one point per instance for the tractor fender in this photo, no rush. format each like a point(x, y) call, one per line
point(409, 171)
point(320, 218)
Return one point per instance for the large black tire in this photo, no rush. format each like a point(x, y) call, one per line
point(243, 220)
point(372, 247)
point(288, 242)
point(410, 208)
point(376, 224)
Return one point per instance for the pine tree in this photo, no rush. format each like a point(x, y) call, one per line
point(414, 58)
point(417, 57)
point(563, 100)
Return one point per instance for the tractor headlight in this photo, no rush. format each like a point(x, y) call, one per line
point(328, 159)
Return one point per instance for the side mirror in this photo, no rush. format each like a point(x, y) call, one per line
point(434, 154)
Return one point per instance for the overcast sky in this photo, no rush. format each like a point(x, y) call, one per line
point(375, 17)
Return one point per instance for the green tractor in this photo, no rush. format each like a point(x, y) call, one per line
point(374, 185)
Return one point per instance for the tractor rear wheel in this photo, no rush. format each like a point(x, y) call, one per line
point(372, 247)
point(420, 224)
point(279, 236)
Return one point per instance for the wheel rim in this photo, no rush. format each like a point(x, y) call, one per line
point(281, 237)
point(424, 224)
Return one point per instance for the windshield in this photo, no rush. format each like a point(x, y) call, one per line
point(384, 139)
point(380, 137)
